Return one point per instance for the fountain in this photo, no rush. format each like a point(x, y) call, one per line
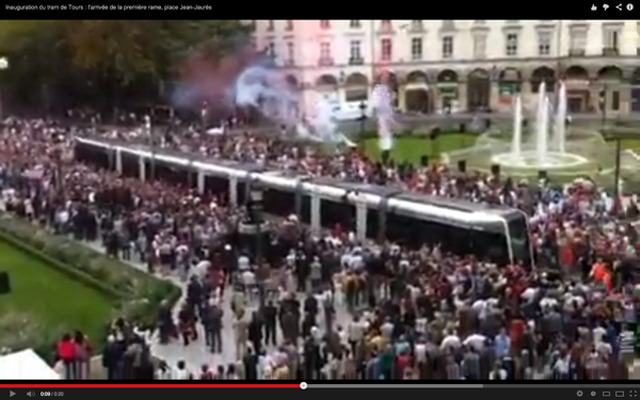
point(382, 103)
point(544, 155)
point(560, 131)
point(565, 152)
point(516, 145)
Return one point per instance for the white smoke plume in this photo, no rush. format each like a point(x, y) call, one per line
point(268, 91)
point(381, 104)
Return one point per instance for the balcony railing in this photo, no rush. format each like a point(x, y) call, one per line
point(325, 62)
point(576, 52)
point(610, 51)
point(356, 61)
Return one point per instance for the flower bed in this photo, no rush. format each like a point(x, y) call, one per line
point(135, 294)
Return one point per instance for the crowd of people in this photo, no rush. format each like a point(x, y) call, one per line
point(330, 307)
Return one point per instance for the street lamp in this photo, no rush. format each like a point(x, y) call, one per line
point(616, 176)
point(57, 153)
point(203, 118)
point(152, 140)
point(603, 104)
point(363, 116)
point(4, 65)
point(255, 208)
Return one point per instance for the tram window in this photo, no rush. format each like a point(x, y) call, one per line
point(279, 203)
point(412, 232)
point(217, 186)
point(241, 187)
point(95, 156)
point(168, 173)
point(130, 165)
point(373, 222)
point(489, 246)
point(333, 212)
point(306, 210)
point(520, 240)
point(453, 239)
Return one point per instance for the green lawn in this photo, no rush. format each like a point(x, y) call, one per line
point(412, 148)
point(45, 302)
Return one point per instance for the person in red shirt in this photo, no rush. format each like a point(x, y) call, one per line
point(517, 328)
point(403, 361)
point(598, 271)
point(66, 351)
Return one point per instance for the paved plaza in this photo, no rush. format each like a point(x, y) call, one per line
point(196, 353)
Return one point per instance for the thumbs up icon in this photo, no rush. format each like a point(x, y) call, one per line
point(594, 8)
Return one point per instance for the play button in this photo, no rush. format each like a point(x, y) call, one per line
point(11, 393)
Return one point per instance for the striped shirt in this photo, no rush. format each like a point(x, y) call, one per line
point(626, 342)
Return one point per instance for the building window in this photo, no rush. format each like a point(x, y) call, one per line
point(416, 49)
point(385, 44)
point(355, 51)
point(447, 47)
point(354, 23)
point(544, 43)
point(612, 38)
point(271, 25)
point(577, 41)
point(615, 100)
point(325, 51)
point(416, 24)
point(385, 25)
point(271, 50)
point(325, 24)
point(291, 55)
point(479, 46)
point(512, 44)
point(289, 26)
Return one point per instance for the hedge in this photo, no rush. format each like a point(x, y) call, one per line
point(136, 293)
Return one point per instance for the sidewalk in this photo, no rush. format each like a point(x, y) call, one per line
point(196, 353)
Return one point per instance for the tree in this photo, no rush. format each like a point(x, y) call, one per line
point(35, 50)
point(106, 60)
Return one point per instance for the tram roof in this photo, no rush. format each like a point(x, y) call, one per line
point(456, 204)
point(382, 191)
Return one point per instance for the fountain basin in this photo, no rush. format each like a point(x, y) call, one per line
point(531, 160)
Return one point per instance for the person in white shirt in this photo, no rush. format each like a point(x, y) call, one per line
point(163, 373)
point(420, 351)
point(475, 341)
point(243, 263)
point(598, 334)
point(355, 332)
point(202, 268)
point(180, 373)
point(450, 341)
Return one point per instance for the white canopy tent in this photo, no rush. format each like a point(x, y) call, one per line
point(25, 364)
